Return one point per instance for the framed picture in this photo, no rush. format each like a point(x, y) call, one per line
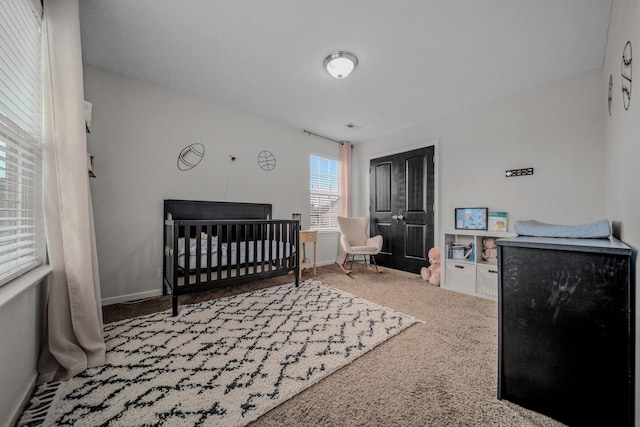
point(471, 218)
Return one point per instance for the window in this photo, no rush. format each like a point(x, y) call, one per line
point(21, 224)
point(324, 206)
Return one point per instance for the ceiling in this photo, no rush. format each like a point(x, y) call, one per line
point(418, 59)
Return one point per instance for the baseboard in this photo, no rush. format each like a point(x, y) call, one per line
point(131, 297)
point(152, 294)
point(324, 263)
point(22, 403)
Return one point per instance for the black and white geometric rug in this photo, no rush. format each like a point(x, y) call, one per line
point(224, 362)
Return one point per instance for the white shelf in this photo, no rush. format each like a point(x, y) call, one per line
point(468, 272)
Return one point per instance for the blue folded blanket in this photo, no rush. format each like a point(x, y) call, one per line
point(593, 230)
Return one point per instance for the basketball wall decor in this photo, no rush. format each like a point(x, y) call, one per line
point(266, 160)
point(190, 156)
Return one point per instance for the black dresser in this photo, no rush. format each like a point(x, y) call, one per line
point(566, 328)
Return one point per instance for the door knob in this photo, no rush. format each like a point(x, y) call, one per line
point(395, 217)
point(400, 217)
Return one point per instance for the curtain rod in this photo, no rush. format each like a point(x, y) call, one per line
point(322, 136)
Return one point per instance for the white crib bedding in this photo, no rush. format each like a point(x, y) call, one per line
point(279, 250)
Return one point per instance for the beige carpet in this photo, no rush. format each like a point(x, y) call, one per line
point(441, 373)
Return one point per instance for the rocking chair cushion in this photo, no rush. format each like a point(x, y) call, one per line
point(364, 250)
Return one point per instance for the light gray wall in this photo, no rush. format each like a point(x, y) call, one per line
point(556, 129)
point(137, 132)
point(622, 141)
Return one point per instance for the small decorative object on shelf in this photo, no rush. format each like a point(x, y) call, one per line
point(461, 250)
point(489, 250)
point(497, 221)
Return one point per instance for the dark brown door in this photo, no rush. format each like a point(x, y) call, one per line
point(402, 202)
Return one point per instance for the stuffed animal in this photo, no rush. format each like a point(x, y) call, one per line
point(432, 273)
point(489, 249)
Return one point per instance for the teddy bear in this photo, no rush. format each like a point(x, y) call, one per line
point(432, 273)
point(489, 249)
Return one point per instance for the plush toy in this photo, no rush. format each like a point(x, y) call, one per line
point(489, 249)
point(432, 273)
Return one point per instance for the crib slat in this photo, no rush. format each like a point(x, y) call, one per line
point(229, 242)
point(198, 255)
point(219, 256)
point(263, 233)
point(209, 251)
point(271, 234)
point(254, 236)
point(246, 242)
point(238, 233)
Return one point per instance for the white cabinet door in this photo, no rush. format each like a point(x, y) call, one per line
point(461, 276)
point(487, 281)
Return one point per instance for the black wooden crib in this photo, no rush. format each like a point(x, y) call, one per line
point(213, 244)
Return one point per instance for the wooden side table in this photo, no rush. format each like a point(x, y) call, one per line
point(308, 236)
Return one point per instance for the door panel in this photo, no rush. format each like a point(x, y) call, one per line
point(415, 246)
point(402, 202)
point(383, 187)
point(384, 229)
point(415, 185)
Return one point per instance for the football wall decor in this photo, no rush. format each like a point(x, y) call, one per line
point(190, 156)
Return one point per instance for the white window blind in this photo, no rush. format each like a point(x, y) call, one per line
point(324, 206)
point(22, 244)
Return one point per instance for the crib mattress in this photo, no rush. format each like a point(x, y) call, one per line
point(249, 252)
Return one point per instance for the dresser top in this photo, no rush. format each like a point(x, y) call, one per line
point(608, 246)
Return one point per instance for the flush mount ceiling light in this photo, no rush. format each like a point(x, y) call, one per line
point(340, 64)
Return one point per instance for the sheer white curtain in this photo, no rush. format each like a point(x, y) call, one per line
point(73, 338)
point(345, 187)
